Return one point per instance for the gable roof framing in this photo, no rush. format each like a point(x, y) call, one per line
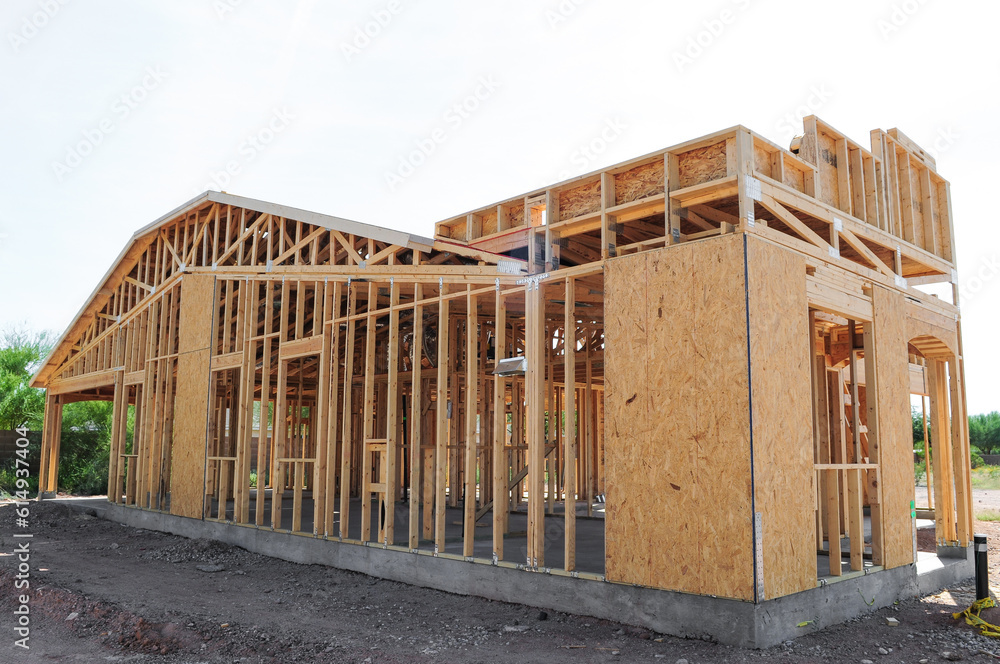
point(343, 233)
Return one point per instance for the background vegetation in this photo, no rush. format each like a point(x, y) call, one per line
point(86, 425)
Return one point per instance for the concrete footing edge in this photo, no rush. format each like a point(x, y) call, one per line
point(726, 621)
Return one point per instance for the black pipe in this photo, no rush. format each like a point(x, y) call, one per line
point(982, 569)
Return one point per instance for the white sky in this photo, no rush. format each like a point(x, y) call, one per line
point(77, 77)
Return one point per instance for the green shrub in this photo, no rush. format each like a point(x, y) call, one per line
point(976, 458)
point(918, 471)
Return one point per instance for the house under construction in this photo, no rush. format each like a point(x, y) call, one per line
point(674, 392)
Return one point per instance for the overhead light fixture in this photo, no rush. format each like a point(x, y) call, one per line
point(511, 366)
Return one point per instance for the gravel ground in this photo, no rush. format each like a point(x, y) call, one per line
point(104, 592)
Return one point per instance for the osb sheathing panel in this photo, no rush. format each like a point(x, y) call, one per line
point(627, 425)
point(782, 416)
point(490, 222)
point(187, 474)
point(513, 216)
point(701, 165)
point(580, 200)
point(639, 182)
point(894, 425)
point(794, 178)
point(761, 160)
point(677, 420)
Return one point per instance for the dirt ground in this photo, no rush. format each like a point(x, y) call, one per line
point(104, 592)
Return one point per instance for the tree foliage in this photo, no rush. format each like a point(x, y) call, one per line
point(984, 432)
point(86, 425)
point(21, 352)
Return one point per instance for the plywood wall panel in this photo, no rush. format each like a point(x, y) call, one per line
point(673, 462)
point(187, 475)
point(627, 421)
point(895, 441)
point(722, 434)
point(677, 420)
point(782, 416)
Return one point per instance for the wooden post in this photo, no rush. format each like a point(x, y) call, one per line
point(442, 422)
point(535, 398)
point(368, 415)
point(471, 420)
point(944, 512)
point(265, 471)
point(280, 439)
point(501, 468)
point(569, 418)
point(332, 344)
point(118, 425)
point(346, 443)
point(927, 447)
point(961, 453)
point(392, 419)
point(874, 451)
point(48, 475)
point(416, 419)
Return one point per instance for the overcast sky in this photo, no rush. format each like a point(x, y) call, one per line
point(114, 113)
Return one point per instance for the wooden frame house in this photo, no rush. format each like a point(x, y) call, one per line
point(689, 373)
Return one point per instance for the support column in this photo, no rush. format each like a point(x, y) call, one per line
point(501, 468)
point(569, 418)
point(471, 412)
point(535, 398)
point(48, 472)
point(442, 422)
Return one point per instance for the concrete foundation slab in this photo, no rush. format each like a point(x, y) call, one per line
point(726, 621)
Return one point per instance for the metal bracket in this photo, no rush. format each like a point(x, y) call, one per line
point(759, 553)
point(753, 188)
point(508, 266)
point(533, 279)
point(834, 252)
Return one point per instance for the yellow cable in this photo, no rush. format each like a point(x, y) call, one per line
point(972, 617)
